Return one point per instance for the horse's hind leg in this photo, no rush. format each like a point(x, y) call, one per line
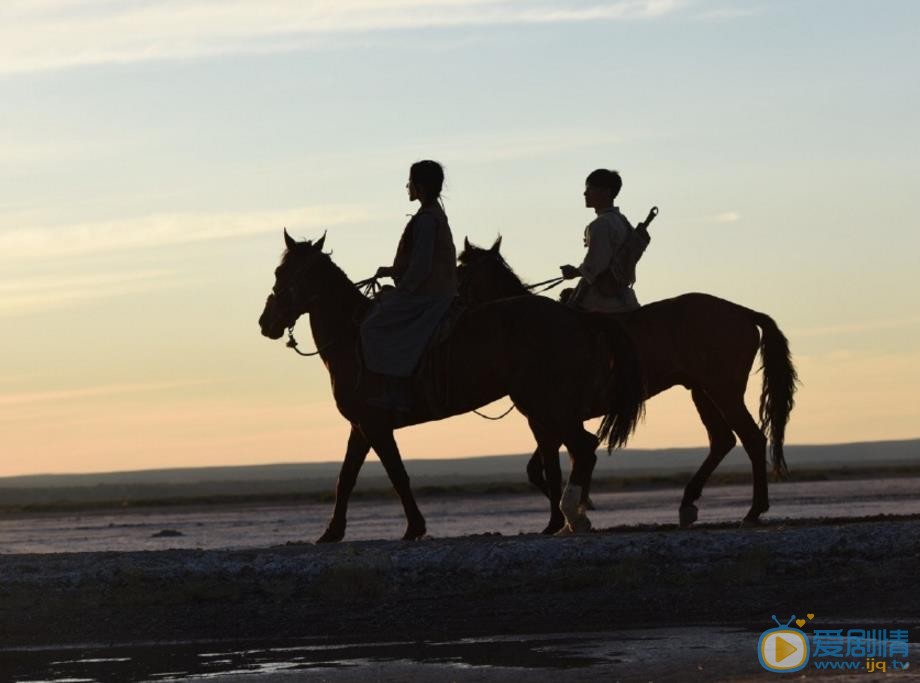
point(755, 443)
point(547, 458)
point(535, 471)
point(581, 445)
point(539, 463)
point(384, 445)
point(721, 441)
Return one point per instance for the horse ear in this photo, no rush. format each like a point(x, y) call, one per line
point(466, 244)
point(319, 243)
point(497, 246)
point(288, 240)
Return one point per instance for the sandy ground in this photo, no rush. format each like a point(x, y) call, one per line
point(518, 598)
point(216, 527)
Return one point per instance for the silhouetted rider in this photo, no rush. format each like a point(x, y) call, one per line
point(608, 270)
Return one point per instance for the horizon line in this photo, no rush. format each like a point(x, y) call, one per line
point(410, 459)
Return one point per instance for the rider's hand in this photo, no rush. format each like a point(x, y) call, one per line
point(570, 272)
point(384, 271)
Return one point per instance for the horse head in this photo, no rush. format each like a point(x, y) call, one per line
point(296, 286)
point(483, 274)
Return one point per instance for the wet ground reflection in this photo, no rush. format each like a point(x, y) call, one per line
point(690, 654)
point(183, 661)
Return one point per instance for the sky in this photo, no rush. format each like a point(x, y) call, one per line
point(152, 151)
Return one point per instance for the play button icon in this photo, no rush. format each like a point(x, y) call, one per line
point(783, 649)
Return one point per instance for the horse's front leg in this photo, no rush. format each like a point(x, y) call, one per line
point(383, 443)
point(354, 457)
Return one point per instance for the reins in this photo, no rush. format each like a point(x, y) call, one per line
point(292, 344)
point(552, 282)
point(489, 417)
point(368, 287)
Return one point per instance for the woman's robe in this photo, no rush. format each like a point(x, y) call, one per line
point(397, 330)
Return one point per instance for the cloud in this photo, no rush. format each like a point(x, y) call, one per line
point(16, 153)
point(164, 229)
point(495, 148)
point(39, 35)
point(856, 327)
point(725, 13)
point(726, 217)
point(29, 397)
point(31, 294)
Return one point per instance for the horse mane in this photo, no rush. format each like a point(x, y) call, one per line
point(332, 266)
point(506, 270)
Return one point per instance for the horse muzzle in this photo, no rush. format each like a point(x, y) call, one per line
point(270, 323)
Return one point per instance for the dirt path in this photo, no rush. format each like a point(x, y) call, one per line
point(484, 585)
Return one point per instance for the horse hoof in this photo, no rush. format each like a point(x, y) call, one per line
point(688, 515)
point(553, 527)
point(589, 505)
point(331, 536)
point(751, 523)
point(414, 533)
point(579, 525)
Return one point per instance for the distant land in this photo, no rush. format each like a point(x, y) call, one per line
point(279, 482)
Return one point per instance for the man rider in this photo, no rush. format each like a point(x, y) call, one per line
point(614, 246)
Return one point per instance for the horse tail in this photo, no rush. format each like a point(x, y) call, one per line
point(777, 396)
point(625, 387)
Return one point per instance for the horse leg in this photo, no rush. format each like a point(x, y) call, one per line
point(755, 443)
point(581, 445)
point(721, 441)
point(385, 447)
point(547, 457)
point(355, 454)
point(550, 453)
point(535, 472)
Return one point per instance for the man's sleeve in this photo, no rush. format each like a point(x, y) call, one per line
point(424, 231)
point(597, 260)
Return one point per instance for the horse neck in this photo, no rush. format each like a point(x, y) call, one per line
point(336, 312)
point(507, 283)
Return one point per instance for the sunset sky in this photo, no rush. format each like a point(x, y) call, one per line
point(152, 151)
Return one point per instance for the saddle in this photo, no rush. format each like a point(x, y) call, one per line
point(431, 381)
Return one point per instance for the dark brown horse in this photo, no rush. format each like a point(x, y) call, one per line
point(701, 342)
point(529, 348)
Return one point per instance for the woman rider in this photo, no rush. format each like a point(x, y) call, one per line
point(397, 330)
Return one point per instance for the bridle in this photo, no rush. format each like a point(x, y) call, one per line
point(368, 287)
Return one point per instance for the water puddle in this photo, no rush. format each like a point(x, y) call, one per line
point(693, 654)
point(209, 660)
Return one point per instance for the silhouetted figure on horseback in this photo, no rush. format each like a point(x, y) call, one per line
point(397, 330)
point(701, 342)
point(608, 271)
point(530, 349)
